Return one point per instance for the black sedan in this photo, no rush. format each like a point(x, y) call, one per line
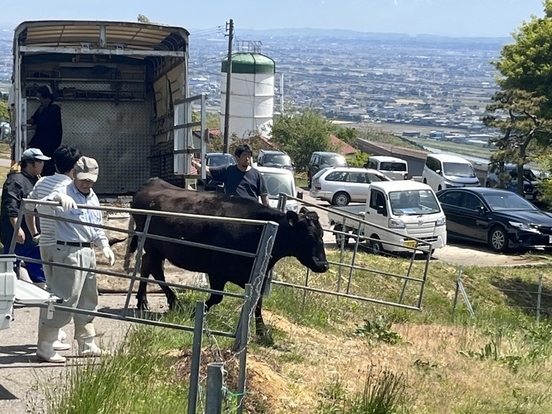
point(500, 218)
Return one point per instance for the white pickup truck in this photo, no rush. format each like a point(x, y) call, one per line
point(397, 217)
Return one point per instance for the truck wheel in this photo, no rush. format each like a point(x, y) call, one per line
point(439, 188)
point(309, 181)
point(340, 237)
point(341, 199)
point(498, 239)
point(425, 180)
point(376, 247)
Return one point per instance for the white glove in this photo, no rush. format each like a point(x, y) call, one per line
point(108, 253)
point(67, 203)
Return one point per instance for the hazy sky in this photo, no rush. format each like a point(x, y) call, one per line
point(493, 18)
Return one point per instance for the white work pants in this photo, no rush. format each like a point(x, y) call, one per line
point(77, 288)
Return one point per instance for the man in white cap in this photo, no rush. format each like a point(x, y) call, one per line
point(75, 247)
point(18, 186)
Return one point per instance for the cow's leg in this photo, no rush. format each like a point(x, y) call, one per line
point(260, 327)
point(216, 284)
point(159, 274)
point(145, 271)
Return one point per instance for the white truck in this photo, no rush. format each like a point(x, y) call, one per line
point(398, 216)
point(123, 92)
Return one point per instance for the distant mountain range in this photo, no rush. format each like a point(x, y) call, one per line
point(349, 34)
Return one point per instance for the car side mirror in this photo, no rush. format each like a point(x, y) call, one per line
point(481, 210)
point(439, 172)
point(300, 195)
point(380, 209)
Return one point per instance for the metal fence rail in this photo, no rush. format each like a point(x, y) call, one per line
point(249, 298)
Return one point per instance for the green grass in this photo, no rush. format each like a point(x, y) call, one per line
point(405, 361)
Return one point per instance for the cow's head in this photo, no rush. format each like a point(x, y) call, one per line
point(307, 239)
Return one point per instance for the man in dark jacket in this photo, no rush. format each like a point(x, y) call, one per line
point(240, 180)
point(47, 125)
point(18, 186)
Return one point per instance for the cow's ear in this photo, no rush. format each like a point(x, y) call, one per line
point(292, 218)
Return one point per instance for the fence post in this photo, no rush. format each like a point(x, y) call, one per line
point(458, 276)
point(539, 295)
point(213, 398)
point(196, 357)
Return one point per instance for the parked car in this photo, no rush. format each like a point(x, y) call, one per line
point(446, 171)
point(274, 159)
point(341, 185)
point(500, 218)
point(216, 159)
point(530, 180)
point(320, 160)
point(393, 167)
point(279, 180)
point(398, 213)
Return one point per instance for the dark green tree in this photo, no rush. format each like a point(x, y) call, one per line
point(348, 135)
point(302, 132)
point(521, 109)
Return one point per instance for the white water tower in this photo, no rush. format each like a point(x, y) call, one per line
point(251, 94)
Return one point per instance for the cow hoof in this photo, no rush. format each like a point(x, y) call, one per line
point(144, 307)
point(264, 337)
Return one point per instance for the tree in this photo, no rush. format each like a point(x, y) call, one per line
point(520, 126)
point(301, 133)
point(4, 115)
point(348, 135)
point(521, 108)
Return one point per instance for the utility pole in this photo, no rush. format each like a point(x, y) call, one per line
point(230, 29)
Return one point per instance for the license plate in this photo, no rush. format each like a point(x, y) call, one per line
point(411, 243)
point(529, 196)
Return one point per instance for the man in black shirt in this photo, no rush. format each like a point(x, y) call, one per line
point(241, 180)
point(47, 124)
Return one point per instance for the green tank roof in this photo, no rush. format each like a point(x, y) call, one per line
point(249, 63)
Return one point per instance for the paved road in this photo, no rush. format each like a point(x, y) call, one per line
point(23, 376)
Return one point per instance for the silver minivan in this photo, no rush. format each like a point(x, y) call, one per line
point(445, 171)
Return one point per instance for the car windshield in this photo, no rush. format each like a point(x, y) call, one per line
point(459, 169)
point(392, 166)
point(527, 174)
point(278, 183)
point(276, 159)
point(507, 201)
point(335, 160)
point(218, 160)
point(413, 202)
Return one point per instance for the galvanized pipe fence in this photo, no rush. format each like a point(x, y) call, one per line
point(249, 298)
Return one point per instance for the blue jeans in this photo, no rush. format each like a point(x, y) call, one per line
point(32, 251)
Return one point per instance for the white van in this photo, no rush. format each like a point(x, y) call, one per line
point(445, 171)
point(393, 167)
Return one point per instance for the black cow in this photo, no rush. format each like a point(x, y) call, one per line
point(299, 235)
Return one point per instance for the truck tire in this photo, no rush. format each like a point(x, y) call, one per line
point(341, 199)
point(498, 239)
point(376, 246)
point(340, 237)
point(309, 181)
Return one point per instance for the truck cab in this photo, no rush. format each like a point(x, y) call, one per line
point(398, 216)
